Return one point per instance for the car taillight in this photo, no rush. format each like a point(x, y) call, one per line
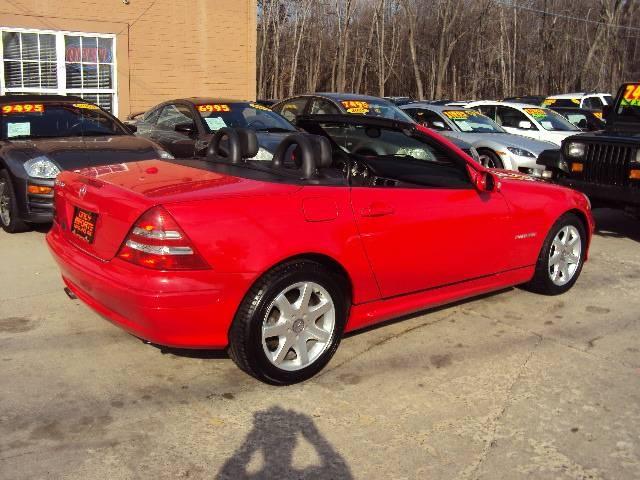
point(156, 241)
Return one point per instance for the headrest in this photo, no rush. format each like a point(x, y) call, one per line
point(232, 145)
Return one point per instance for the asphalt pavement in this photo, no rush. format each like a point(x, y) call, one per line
point(509, 386)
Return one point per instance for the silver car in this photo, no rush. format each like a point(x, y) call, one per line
point(497, 148)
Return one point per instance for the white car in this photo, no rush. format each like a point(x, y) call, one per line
point(527, 120)
point(591, 101)
point(497, 148)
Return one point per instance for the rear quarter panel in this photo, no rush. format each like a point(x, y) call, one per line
point(251, 234)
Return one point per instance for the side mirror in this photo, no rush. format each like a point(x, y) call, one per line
point(131, 128)
point(482, 181)
point(524, 125)
point(187, 128)
point(606, 111)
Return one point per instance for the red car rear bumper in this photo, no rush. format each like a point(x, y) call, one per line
point(176, 309)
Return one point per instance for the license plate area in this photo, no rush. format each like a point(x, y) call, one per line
point(83, 224)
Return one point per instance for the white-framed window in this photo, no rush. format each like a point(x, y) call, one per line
point(59, 62)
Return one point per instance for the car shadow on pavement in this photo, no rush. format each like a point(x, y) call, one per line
point(616, 224)
point(268, 450)
point(41, 227)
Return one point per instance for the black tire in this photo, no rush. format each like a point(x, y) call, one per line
point(15, 224)
point(541, 281)
point(245, 335)
point(493, 158)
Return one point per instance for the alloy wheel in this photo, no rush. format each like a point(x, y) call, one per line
point(565, 255)
point(298, 326)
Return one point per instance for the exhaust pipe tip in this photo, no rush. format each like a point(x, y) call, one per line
point(70, 294)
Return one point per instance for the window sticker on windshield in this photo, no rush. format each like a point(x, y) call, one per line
point(257, 106)
point(86, 106)
point(536, 112)
point(23, 108)
point(215, 123)
point(598, 115)
point(549, 101)
point(18, 129)
point(217, 107)
point(631, 95)
point(576, 101)
point(456, 114)
point(356, 106)
point(464, 126)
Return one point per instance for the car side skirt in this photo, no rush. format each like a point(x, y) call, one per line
point(368, 314)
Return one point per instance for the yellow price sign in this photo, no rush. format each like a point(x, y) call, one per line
point(536, 112)
point(86, 106)
point(257, 106)
point(360, 111)
point(216, 107)
point(456, 114)
point(23, 108)
point(355, 104)
point(549, 101)
point(631, 94)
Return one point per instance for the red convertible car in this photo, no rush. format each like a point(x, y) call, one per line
point(276, 260)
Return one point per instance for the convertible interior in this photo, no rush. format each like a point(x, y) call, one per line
point(340, 155)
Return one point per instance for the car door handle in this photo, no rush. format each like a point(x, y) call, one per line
point(377, 210)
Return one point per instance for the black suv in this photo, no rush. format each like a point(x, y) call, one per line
point(605, 165)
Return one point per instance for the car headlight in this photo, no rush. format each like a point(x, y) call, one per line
point(521, 152)
point(263, 155)
point(41, 167)
point(162, 153)
point(575, 149)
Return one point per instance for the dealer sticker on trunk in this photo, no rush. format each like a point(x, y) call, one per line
point(84, 224)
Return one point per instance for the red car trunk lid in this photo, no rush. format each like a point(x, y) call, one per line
point(96, 207)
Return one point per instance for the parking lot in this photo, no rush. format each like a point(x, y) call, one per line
point(513, 385)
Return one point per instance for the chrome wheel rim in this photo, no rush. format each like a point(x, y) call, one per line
point(298, 326)
point(5, 200)
point(565, 255)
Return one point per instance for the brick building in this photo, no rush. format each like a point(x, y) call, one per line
point(128, 55)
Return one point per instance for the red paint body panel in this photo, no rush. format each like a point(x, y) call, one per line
point(178, 309)
point(403, 250)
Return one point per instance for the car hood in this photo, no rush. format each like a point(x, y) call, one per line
point(557, 137)
point(610, 134)
point(78, 152)
point(506, 140)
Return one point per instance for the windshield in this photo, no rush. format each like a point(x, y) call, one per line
point(629, 104)
point(472, 121)
point(381, 142)
point(247, 115)
point(375, 108)
point(550, 120)
point(45, 120)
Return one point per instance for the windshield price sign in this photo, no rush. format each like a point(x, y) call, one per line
point(536, 112)
point(213, 108)
point(86, 106)
point(23, 108)
point(631, 95)
point(356, 106)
